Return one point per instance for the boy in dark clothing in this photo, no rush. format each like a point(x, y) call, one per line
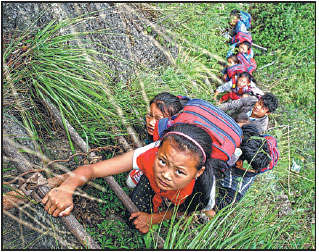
point(256, 109)
point(255, 156)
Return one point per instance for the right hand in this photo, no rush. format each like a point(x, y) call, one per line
point(58, 201)
point(142, 221)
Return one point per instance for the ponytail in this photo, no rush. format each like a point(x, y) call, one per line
point(168, 103)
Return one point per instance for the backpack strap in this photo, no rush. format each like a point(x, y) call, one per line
point(235, 69)
point(234, 82)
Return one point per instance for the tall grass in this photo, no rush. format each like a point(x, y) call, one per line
point(52, 63)
point(48, 64)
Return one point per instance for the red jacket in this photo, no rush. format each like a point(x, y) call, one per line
point(145, 162)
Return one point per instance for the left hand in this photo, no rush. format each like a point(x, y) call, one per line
point(142, 221)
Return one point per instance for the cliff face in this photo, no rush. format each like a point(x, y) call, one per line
point(125, 36)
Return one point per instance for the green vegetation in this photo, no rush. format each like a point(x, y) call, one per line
point(87, 97)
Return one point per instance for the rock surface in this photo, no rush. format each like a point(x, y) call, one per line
point(124, 36)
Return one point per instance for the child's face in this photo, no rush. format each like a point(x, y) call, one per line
point(242, 82)
point(175, 169)
point(152, 117)
point(243, 48)
point(233, 20)
point(259, 110)
point(230, 62)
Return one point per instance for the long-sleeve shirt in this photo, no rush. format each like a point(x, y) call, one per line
point(245, 105)
point(228, 87)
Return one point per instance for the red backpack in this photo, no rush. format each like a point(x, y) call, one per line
point(241, 37)
point(224, 131)
point(274, 152)
point(249, 63)
point(235, 69)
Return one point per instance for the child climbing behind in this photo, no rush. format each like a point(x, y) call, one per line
point(238, 87)
point(241, 23)
point(245, 48)
point(170, 167)
point(245, 57)
point(259, 153)
point(162, 105)
point(233, 67)
point(257, 109)
point(241, 62)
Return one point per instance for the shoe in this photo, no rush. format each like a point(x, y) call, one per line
point(133, 178)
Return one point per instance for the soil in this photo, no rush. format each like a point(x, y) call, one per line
point(29, 226)
point(87, 212)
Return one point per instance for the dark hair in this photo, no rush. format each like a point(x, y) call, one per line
point(241, 117)
point(245, 74)
point(234, 58)
point(203, 185)
point(249, 76)
point(235, 12)
point(255, 151)
point(248, 131)
point(270, 101)
point(245, 43)
point(168, 104)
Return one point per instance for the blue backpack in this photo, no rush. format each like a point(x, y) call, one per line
point(246, 19)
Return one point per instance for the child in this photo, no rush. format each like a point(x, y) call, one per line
point(245, 57)
point(233, 67)
point(245, 48)
point(170, 168)
point(255, 156)
point(257, 109)
point(240, 21)
point(162, 105)
point(238, 86)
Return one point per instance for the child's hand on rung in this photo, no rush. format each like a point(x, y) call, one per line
point(58, 202)
point(142, 221)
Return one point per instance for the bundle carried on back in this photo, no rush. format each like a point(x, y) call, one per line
point(224, 131)
point(248, 62)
